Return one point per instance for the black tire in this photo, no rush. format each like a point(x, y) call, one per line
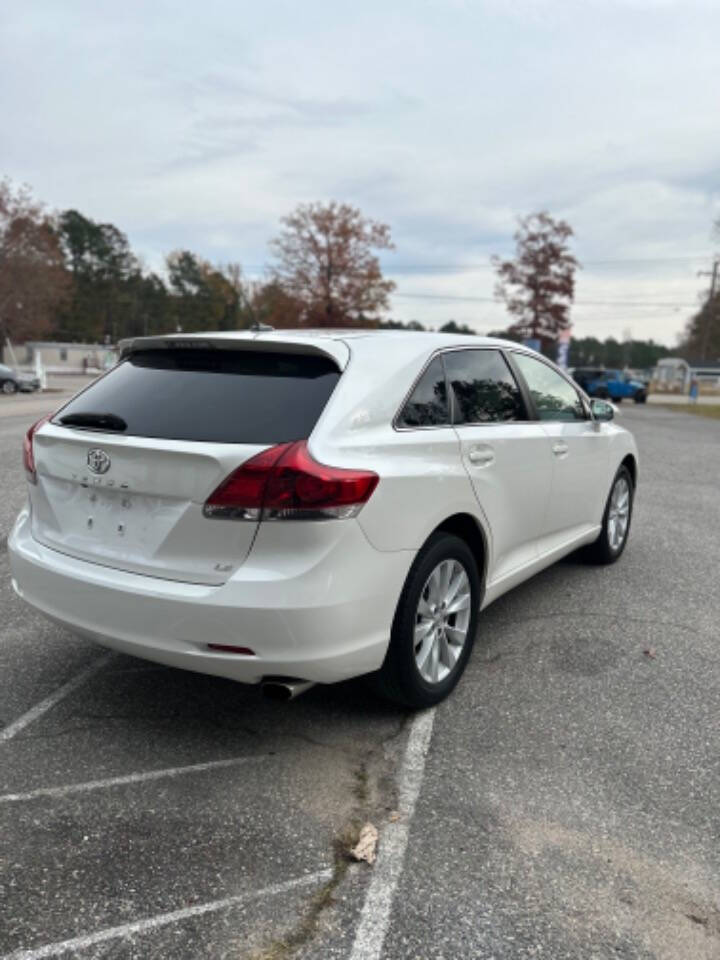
point(640, 397)
point(602, 550)
point(399, 678)
point(602, 393)
point(8, 387)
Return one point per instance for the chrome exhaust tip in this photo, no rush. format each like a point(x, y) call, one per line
point(284, 690)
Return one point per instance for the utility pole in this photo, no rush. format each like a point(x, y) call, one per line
point(711, 307)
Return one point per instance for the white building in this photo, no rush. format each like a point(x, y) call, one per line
point(60, 357)
point(674, 375)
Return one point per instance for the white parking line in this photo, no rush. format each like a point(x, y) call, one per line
point(70, 788)
point(162, 919)
point(375, 915)
point(7, 733)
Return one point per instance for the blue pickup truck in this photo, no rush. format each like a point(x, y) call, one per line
point(610, 384)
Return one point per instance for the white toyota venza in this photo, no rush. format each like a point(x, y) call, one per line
point(287, 508)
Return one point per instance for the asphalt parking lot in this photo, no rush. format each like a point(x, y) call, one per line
point(564, 804)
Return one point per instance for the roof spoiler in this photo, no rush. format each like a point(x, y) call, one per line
point(337, 350)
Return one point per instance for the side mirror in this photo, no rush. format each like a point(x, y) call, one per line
point(602, 410)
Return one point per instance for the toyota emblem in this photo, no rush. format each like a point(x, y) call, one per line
point(98, 461)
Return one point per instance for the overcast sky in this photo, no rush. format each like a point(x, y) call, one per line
point(199, 125)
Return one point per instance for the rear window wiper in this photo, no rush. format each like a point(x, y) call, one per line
point(94, 421)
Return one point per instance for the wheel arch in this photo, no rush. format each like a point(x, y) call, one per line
point(630, 462)
point(467, 527)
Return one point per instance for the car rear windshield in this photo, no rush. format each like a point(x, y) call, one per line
point(220, 396)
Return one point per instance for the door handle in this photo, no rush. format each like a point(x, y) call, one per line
point(481, 457)
point(560, 448)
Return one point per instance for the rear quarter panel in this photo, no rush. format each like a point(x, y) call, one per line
point(422, 478)
point(422, 483)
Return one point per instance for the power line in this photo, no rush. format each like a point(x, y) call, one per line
point(172, 299)
point(123, 305)
point(454, 267)
point(591, 303)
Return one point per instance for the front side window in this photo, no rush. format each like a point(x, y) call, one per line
point(555, 398)
point(428, 403)
point(483, 387)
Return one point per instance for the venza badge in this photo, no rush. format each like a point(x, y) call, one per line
point(98, 461)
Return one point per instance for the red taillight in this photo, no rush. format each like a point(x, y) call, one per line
point(241, 495)
point(28, 453)
point(285, 483)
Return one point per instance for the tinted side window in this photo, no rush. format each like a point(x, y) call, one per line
point(483, 387)
point(554, 397)
point(428, 404)
point(213, 395)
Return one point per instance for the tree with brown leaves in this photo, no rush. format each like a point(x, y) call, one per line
point(538, 286)
point(271, 304)
point(33, 279)
point(326, 265)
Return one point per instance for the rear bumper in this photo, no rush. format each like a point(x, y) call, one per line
point(323, 615)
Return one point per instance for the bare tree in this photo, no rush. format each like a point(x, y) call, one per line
point(538, 286)
point(326, 263)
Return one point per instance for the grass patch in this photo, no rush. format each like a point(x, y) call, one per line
point(698, 409)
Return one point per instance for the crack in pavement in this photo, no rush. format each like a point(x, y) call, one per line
point(363, 788)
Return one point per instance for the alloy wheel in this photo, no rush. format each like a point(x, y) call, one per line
point(619, 513)
point(442, 621)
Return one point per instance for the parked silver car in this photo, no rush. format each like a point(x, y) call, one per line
point(11, 381)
